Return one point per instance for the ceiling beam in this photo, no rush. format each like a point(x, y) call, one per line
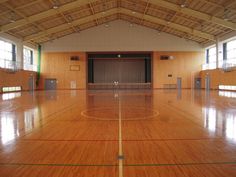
point(44, 14)
point(144, 13)
point(169, 24)
point(65, 18)
point(126, 12)
point(23, 16)
point(92, 10)
point(2, 1)
point(194, 13)
point(75, 22)
point(20, 7)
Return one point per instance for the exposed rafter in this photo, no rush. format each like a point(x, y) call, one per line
point(194, 13)
point(171, 25)
point(2, 1)
point(22, 6)
point(92, 10)
point(75, 22)
point(145, 11)
point(180, 17)
point(126, 12)
point(64, 17)
point(23, 16)
point(43, 15)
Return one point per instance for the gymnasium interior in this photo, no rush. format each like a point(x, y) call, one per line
point(117, 88)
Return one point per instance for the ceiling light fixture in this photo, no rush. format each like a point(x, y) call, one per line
point(133, 12)
point(55, 7)
point(55, 4)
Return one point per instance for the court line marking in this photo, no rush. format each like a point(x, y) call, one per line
point(127, 140)
point(125, 165)
point(151, 117)
point(120, 158)
point(63, 165)
point(184, 164)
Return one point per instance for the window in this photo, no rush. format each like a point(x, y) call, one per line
point(7, 55)
point(210, 59)
point(11, 89)
point(229, 52)
point(29, 60)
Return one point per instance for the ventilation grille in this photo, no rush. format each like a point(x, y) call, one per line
point(74, 58)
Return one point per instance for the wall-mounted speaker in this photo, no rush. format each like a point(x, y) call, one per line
point(166, 57)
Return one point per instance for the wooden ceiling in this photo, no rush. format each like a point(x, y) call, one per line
point(39, 21)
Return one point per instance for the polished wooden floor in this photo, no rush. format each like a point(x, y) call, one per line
point(162, 133)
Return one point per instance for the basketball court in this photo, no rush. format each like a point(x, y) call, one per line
point(118, 88)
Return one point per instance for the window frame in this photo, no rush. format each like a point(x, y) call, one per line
point(28, 63)
point(13, 52)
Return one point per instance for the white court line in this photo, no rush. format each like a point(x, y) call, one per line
point(120, 141)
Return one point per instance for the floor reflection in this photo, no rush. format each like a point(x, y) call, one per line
point(210, 119)
point(227, 94)
point(221, 123)
point(9, 130)
point(30, 119)
point(9, 96)
point(15, 124)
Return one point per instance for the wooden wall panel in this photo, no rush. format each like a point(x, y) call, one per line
point(219, 77)
point(58, 65)
point(19, 78)
point(186, 65)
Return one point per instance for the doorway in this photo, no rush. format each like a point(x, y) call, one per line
point(31, 83)
point(50, 84)
point(197, 83)
point(179, 83)
point(208, 82)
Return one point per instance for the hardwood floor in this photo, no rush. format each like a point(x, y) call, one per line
point(164, 133)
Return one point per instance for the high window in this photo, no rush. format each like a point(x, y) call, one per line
point(29, 60)
point(229, 52)
point(210, 59)
point(7, 55)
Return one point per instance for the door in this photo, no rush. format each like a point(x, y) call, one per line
point(179, 82)
point(31, 83)
point(208, 82)
point(50, 84)
point(197, 83)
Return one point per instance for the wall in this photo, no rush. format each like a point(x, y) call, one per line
point(119, 36)
point(186, 65)
point(57, 65)
point(218, 77)
point(19, 78)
